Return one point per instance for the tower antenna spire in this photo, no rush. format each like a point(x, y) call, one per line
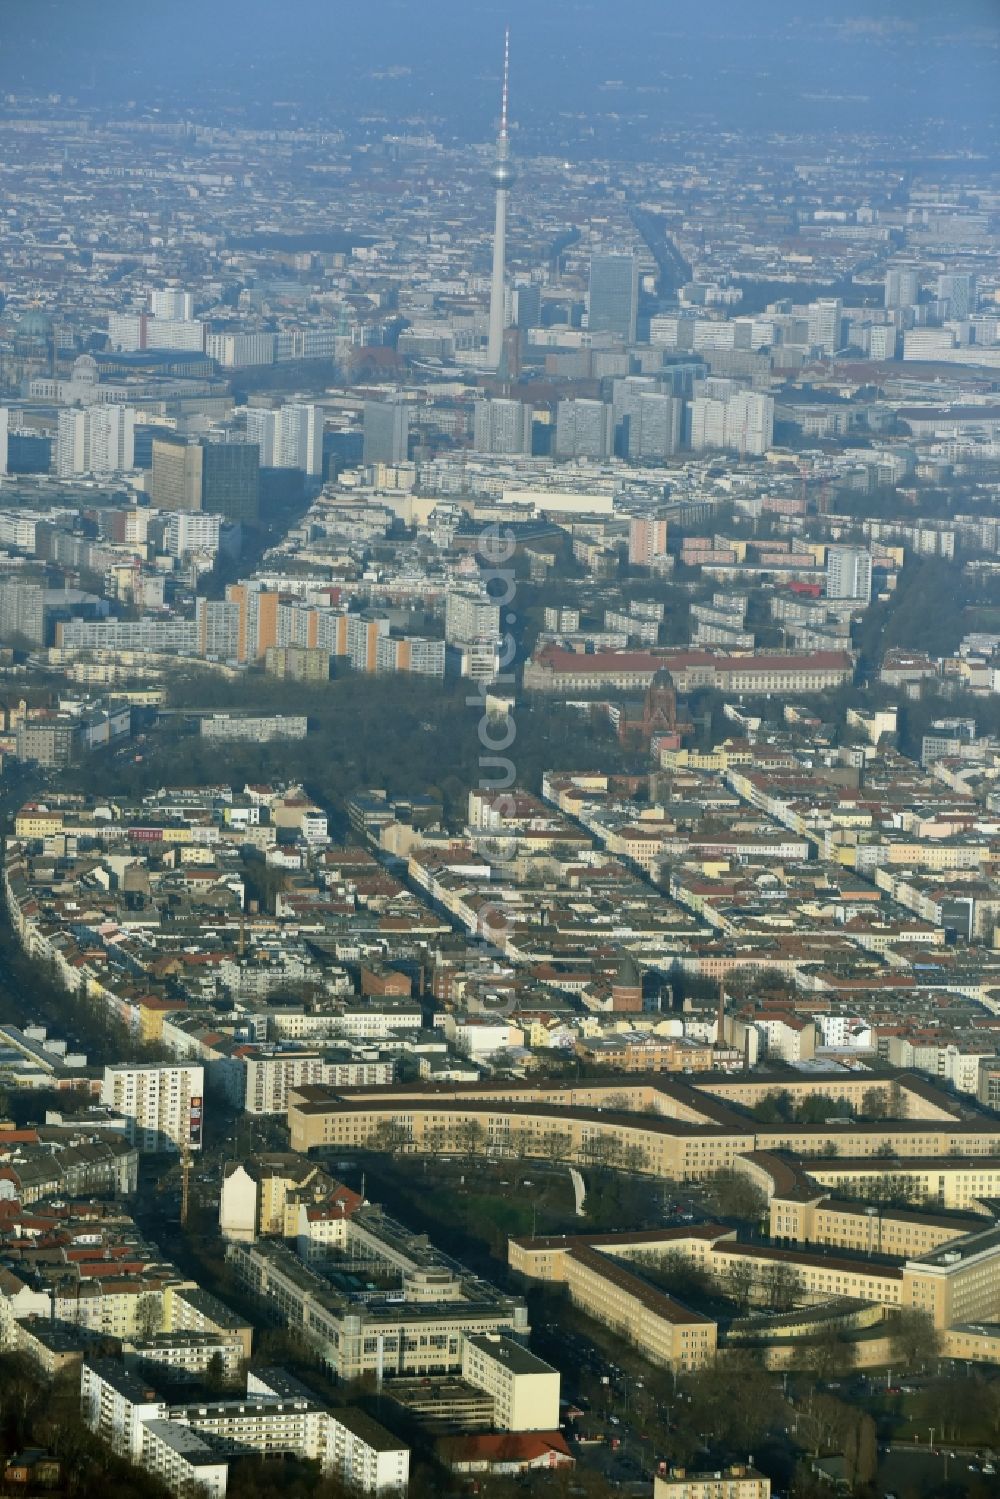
point(506, 84)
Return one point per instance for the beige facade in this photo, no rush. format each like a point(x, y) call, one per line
point(957, 1283)
point(865, 1228)
point(731, 1483)
point(951, 1182)
point(684, 1133)
point(918, 1099)
point(667, 1332)
point(524, 1389)
point(437, 1125)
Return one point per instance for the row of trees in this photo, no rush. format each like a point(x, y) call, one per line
point(469, 1138)
point(880, 1101)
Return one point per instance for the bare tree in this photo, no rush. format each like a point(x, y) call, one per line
point(738, 1284)
point(471, 1138)
point(557, 1144)
point(914, 1339)
point(389, 1136)
point(781, 1285)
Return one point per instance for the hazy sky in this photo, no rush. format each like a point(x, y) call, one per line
point(794, 64)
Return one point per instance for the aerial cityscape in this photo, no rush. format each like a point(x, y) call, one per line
point(500, 749)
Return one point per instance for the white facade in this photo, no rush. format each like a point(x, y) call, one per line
point(171, 302)
point(825, 319)
point(95, 440)
point(849, 573)
point(71, 444)
point(238, 1206)
point(262, 428)
point(300, 438)
point(115, 1404)
point(193, 531)
point(289, 437)
point(182, 1459)
point(236, 350)
point(524, 1388)
point(175, 333)
point(163, 1104)
point(502, 426)
point(708, 423)
point(470, 615)
point(749, 423)
point(187, 1446)
point(268, 1078)
point(584, 429)
point(882, 341)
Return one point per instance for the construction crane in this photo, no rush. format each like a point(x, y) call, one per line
point(185, 1181)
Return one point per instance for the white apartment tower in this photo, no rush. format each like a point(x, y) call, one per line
point(708, 423)
point(502, 426)
point(164, 1105)
point(849, 573)
point(584, 429)
point(749, 423)
point(95, 440)
point(470, 615)
point(825, 319)
point(290, 437)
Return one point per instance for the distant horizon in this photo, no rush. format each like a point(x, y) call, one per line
point(887, 67)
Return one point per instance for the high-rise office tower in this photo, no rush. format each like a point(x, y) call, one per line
point(849, 573)
point(387, 432)
point(825, 319)
point(230, 480)
point(176, 474)
point(502, 426)
point(4, 430)
point(959, 292)
point(614, 295)
point(902, 286)
point(222, 478)
point(528, 306)
point(503, 178)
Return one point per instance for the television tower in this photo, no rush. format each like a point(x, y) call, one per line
point(503, 177)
